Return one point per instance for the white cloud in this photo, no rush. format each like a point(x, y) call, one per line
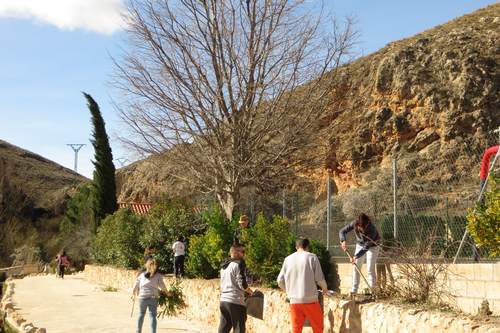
point(101, 16)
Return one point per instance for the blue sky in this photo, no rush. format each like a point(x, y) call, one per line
point(51, 50)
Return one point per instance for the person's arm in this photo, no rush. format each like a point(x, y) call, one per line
point(319, 277)
point(161, 283)
point(343, 234)
point(281, 277)
point(241, 278)
point(135, 291)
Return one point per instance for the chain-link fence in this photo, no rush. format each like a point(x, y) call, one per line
point(419, 195)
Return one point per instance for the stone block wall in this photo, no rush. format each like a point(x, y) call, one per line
point(341, 316)
point(470, 284)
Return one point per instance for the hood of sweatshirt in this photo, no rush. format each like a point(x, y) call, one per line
point(227, 261)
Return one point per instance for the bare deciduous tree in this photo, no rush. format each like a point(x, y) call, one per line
point(231, 91)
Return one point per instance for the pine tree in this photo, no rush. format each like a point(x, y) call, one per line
point(104, 172)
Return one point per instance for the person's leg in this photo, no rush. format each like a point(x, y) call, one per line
point(153, 306)
point(225, 318)
point(176, 266)
point(142, 313)
point(238, 317)
point(314, 313)
point(62, 272)
point(371, 261)
point(297, 317)
point(181, 264)
point(355, 273)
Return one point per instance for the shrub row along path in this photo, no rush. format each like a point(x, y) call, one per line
point(74, 305)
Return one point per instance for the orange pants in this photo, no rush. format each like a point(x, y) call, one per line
point(312, 311)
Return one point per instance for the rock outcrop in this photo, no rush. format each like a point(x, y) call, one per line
point(421, 98)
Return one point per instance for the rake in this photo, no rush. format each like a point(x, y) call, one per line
point(359, 271)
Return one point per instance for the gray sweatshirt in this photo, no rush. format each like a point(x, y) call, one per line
point(233, 282)
point(299, 277)
point(149, 288)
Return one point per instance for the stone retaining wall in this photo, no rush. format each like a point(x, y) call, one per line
point(470, 284)
point(12, 318)
point(343, 316)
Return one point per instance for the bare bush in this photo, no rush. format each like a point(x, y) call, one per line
point(420, 277)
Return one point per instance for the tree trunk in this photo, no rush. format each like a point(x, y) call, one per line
point(227, 200)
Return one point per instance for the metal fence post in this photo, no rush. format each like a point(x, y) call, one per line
point(284, 207)
point(328, 211)
point(394, 191)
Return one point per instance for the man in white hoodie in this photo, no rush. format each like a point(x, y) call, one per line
point(299, 277)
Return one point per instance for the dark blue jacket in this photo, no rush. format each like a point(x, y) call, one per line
point(367, 239)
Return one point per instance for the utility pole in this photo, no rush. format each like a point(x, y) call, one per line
point(394, 189)
point(76, 148)
point(121, 161)
point(328, 210)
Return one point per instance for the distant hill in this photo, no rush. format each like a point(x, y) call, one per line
point(33, 196)
point(433, 99)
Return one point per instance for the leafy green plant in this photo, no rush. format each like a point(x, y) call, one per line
point(267, 244)
point(484, 220)
point(165, 223)
point(171, 301)
point(116, 242)
point(197, 264)
point(77, 227)
point(206, 251)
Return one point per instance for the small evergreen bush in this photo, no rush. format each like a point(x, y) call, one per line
point(484, 220)
point(267, 243)
point(116, 242)
point(206, 251)
point(165, 223)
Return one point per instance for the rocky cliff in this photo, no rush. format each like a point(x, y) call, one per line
point(421, 96)
point(431, 100)
point(33, 195)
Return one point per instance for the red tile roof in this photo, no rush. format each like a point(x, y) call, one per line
point(138, 208)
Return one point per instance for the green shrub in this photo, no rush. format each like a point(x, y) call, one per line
point(165, 223)
point(77, 227)
point(197, 264)
point(267, 243)
point(484, 220)
point(206, 251)
point(117, 240)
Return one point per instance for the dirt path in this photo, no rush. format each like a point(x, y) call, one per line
point(74, 305)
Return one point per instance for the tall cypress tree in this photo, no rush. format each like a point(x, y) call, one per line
point(104, 172)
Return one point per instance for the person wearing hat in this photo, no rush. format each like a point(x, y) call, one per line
point(242, 224)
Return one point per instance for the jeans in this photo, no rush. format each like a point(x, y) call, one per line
point(152, 304)
point(371, 258)
point(60, 271)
